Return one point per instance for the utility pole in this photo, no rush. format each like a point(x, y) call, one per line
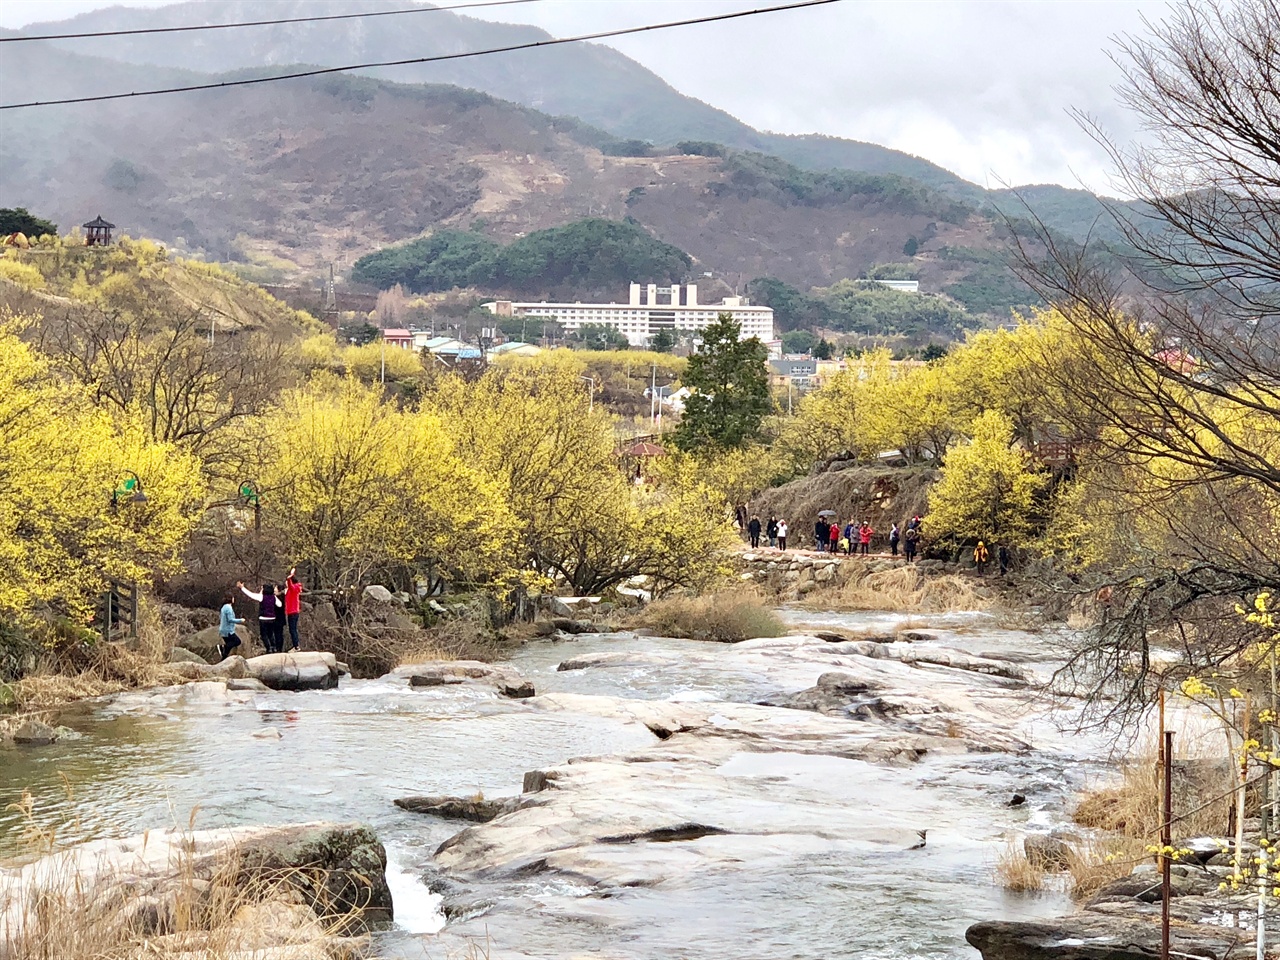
point(1166, 841)
point(384, 358)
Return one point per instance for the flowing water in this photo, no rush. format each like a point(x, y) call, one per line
point(153, 759)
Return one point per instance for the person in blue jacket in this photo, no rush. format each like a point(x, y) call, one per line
point(227, 621)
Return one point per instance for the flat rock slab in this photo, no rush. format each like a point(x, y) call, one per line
point(707, 729)
point(295, 671)
point(1090, 937)
point(504, 680)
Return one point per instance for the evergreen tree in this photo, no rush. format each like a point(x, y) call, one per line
point(20, 220)
point(730, 385)
point(664, 341)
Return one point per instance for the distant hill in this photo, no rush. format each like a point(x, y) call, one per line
point(326, 170)
point(594, 83)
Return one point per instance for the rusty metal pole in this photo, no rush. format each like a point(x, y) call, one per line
point(1166, 841)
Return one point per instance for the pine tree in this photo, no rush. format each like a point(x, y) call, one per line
point(730, 385)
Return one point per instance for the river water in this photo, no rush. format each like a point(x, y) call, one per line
point(155, 759)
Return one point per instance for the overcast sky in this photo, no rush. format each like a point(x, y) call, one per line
point(979, 86)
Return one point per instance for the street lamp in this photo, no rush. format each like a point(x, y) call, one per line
point(591, 397)
point(132, 488)
point(249, 490)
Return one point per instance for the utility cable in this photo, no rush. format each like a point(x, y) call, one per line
point(260, 23)
point(321, 71)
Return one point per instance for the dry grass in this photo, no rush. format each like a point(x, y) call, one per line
point(726, 617)
point(219, 909)
point(1129, 812)
point(1015, 872)
point(902, 588)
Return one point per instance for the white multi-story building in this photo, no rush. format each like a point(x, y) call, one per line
point(647, 311)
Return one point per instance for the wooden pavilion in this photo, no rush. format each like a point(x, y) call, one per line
point(97, 232)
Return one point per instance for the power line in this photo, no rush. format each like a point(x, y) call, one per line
point(260, 23)
point(321, 71)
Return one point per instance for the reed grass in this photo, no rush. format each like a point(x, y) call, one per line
point(902, 588)
point(727, 616)
point(1014, 871)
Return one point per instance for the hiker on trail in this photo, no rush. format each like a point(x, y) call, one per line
point(864, 538)
point(292, 606)
point(980, 557)
point(833, 538)
point(821, 531)
point(850, 533)
point(227, 621)
point(771, 531)
point(1003, 555)
point(740, 517)
point(894, 536)
point(782, 534)
point(270, 616)
point(753, 530)
point(911, 543)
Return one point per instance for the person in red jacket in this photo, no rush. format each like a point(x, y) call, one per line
point(292, 604)
point(864, 538)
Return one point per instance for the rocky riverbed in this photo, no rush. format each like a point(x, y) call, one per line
point(840, 792)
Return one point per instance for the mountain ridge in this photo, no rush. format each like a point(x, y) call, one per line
point(593, 82)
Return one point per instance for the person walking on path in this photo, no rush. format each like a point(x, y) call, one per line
point(292, 605)
point(771, 531)
point(227, 621)
point(864, 538)
point(833, 538)
point(270, 616)
point(894, 536)
point(1003, 555)
point(850, 538)
point(911, 543)
point(753, 530)
point(980, 558)
point(782, 534)
point(821, 530)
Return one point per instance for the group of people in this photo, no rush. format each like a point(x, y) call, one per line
point(278, 607)
point(829, 537)
point(776, 531)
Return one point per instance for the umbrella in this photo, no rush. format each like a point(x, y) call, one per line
point(826, 513)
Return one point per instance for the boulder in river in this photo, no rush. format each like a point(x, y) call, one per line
point(295, 671)
point(476, 809)
point(440, 673)
point(35, 733)
point(1046, 852)
point(1091, 937)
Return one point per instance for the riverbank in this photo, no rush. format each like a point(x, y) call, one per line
point(653, 782)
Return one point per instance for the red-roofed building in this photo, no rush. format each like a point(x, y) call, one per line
point(397, 337)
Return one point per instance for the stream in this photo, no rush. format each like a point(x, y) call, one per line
point(824, 866)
